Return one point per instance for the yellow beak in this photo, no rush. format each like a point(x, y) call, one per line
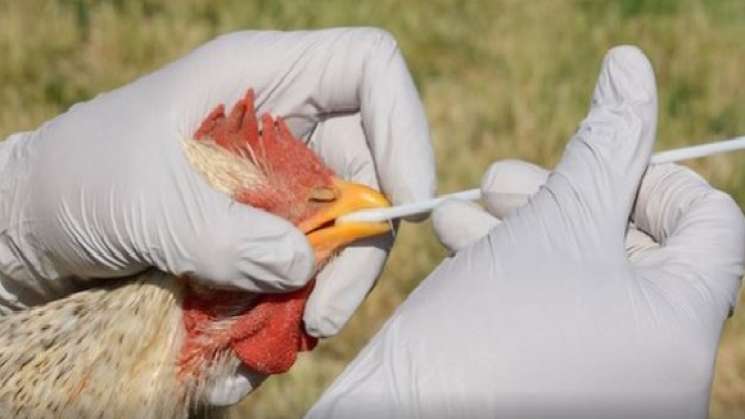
point(349, 197)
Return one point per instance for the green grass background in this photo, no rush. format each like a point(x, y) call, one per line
point(499, 79)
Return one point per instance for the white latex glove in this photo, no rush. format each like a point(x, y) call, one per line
point(105, 190)
point(546, 316)
point(506, 186)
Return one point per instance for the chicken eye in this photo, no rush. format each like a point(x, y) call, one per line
point(322, 194)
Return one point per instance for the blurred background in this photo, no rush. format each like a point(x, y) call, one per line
point(499, 79)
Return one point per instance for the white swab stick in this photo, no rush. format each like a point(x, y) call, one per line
point(385, 214)
point(696, 151)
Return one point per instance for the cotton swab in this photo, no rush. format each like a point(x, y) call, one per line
point(385, 214)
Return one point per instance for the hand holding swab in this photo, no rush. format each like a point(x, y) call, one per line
point(683, 153)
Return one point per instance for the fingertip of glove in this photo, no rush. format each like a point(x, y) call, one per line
point(629, 55)
point(327, 310)
point(513, 176)
point(343, 285)
point(508, 184)
point(457, 223)
point(231, 389)
point(626, 73)
point(626, 53)
point(322, 327)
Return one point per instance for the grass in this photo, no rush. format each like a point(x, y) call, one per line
point(499, 79)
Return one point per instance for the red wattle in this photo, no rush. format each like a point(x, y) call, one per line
point(266, 337)
point(273, 347)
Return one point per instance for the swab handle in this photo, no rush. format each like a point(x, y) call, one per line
point(696, 151)
point(420, 207)
point(385, 214)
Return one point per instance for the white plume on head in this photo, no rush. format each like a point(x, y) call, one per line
point(223, 169)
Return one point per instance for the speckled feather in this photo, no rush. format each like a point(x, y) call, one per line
point(103, 353)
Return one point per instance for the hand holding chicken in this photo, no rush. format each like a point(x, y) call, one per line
point(107, 191)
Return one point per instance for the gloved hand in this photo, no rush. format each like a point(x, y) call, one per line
point(508, 185)
point(105, 190)
point(546, 316)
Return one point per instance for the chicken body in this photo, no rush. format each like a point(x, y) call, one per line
point(153, 346)
point(106, 352)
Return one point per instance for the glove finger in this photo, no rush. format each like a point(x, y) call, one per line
point(230, 389)
point(638, 242)
point(505, 186)
point(343, 284)
point(701, 232)
point(220, 243)
point(458, 224)
point(509, 184)
point(600, 170)
point(339, 141)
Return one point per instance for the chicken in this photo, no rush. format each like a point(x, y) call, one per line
point(152, 346)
